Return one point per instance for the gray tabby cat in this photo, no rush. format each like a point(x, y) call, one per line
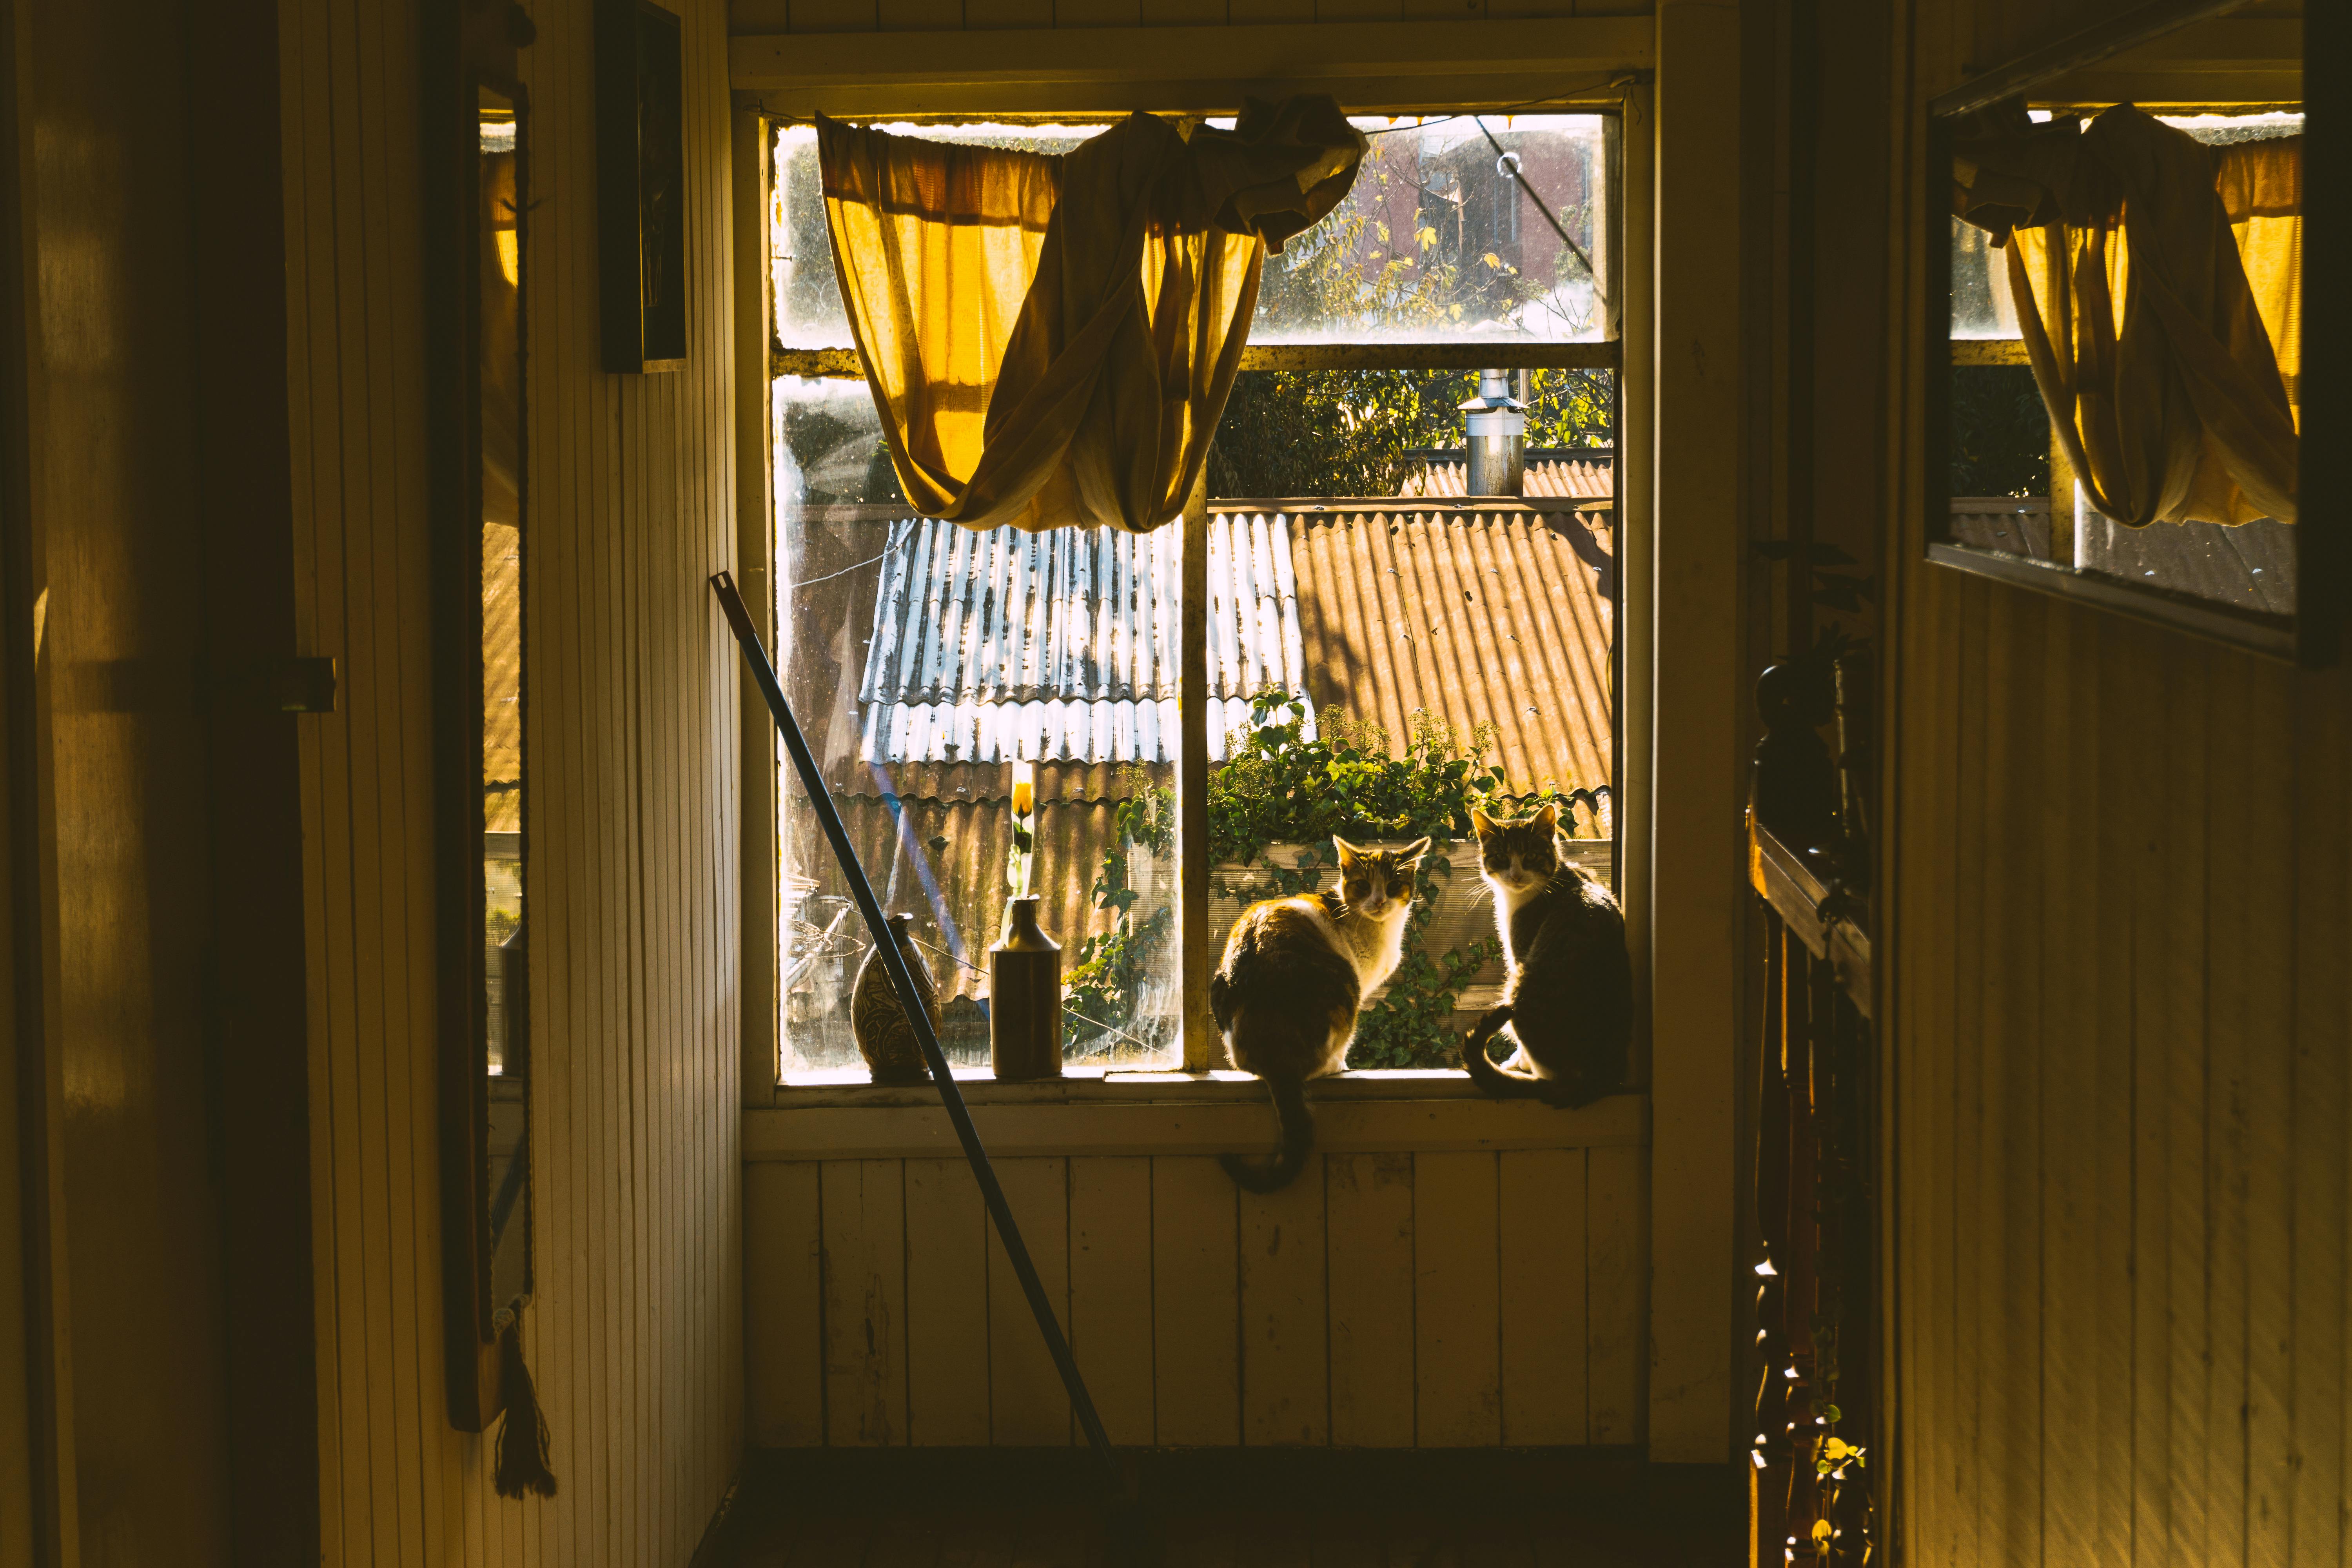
point(885, 1038)
point(1569, 1000)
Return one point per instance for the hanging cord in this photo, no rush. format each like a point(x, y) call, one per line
point(1508, 166)
point(521, 1467)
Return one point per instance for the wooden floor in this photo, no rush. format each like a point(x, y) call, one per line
point(1074, 1538)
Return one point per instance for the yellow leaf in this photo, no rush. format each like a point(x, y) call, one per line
point(1835, 1448)
point(1428, 237)
point(1820, 1530)
point(1384, 233)
point(1494, 261)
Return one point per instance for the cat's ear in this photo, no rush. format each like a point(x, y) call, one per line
point(1547, 819)
point(1349, 853)
point(1410, 856)
point(1480, 822)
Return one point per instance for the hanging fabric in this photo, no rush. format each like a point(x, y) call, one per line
point(1050, 340)
point(2150, 338)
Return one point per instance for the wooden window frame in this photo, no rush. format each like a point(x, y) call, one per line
point(1203, 1075)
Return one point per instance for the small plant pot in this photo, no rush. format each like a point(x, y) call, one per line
point(1025, 998)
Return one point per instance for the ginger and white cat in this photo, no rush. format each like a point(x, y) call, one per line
point(1293, 972)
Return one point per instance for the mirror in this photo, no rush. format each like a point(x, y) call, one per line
point(506, 974)
point(2114, 408)
point(481, 498)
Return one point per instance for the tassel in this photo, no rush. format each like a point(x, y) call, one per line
point(522, 1467)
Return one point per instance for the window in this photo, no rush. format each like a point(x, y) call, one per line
point(1360, 601)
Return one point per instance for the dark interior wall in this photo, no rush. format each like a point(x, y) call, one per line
point(159, 1119)
point(116, 596)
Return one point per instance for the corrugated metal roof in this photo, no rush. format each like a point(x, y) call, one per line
point(1064, 646)
point(501, 676)
point(1547, 479)
point(1473, 614)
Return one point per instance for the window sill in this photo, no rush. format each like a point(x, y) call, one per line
point(1142, 1113)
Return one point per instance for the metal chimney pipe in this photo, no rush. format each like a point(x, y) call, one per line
point(1497, 438)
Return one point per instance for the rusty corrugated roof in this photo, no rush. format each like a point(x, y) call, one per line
point(1485, 614)
point(501, 677)
point(1547, 479)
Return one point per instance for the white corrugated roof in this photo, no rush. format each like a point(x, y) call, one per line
point(1064, 646)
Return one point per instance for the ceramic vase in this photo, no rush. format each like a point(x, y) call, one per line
point(1024, 1002)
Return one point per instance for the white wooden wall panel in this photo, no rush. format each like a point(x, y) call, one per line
point(1429, 1299)
point(635, 1334)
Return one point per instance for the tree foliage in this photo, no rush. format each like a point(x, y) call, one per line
point(1354, 432)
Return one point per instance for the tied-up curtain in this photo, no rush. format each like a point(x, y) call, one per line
point(1050, 340)
point(2163, 352)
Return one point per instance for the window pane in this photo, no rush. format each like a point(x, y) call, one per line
point(1437, 243)
point(1438, 636)
point(923, 659)
point(1433, 243)
point(809, 313)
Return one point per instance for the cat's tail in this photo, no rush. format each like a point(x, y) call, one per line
point(1561, 1094)
point(1488, 1074)
point(1297, 1141)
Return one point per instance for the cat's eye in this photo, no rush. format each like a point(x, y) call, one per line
point(1357, 888)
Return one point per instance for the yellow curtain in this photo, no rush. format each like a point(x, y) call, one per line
point(1050, 340)
point(2149, 338)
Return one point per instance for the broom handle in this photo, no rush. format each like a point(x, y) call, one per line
point(764, 673)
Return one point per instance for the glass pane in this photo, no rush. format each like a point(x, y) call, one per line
point(808, 297)
point(1982, 306)
point(1403, 432)
point(1435, 243)
point(1449, 652)
point(2251, 565)
point(923, 658)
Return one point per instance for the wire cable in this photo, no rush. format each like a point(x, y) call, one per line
point(1507, 164)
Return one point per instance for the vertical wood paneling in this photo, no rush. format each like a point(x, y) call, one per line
point(1458, 1301)
point(2137, 1352)
point(1438, 1300)
point(1615, 1274)
point(1285, 1358)
point(1026, 1402)
point(785, 1297)
point(864, 1205)
point(1371, 1243)
point(1540, 1206)
point(1110, 1291)
point(947, 1305)
point(1195, 1296)
point(2321, 1311)
point(635, 1330)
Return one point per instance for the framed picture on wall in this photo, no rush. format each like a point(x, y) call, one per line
point(641, 186)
